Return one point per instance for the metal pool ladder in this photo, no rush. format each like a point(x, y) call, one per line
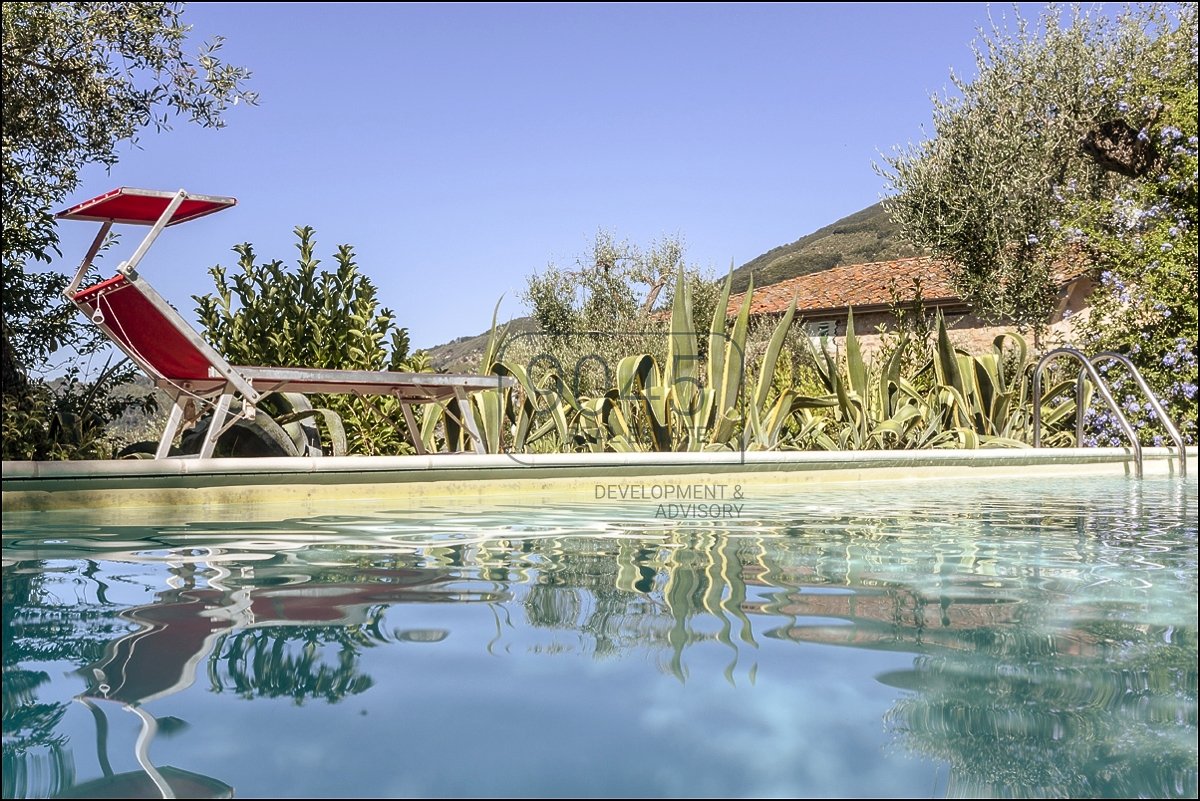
point(1087, 369)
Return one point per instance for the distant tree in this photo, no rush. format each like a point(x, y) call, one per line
point(1056, 105)
point(617, 282)
point(605, 306)
point(78, 80)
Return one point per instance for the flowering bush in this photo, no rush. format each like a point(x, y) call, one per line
point(1143, 243)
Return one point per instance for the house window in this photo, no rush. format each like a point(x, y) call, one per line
point(821, 334)
point(822, 329)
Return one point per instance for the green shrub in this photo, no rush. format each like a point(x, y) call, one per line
point(69, 418)
point(268, 314)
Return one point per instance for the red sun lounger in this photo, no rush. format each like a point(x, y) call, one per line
point(160, 341)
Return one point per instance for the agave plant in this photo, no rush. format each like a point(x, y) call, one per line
point(682, 413)
point(989, 394)
point(509, 419)
point(954, 399)
point(872, 400)
point(972, 401)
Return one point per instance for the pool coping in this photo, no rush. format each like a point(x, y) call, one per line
point(37, 486)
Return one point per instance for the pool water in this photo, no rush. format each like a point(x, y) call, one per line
point(943, 638)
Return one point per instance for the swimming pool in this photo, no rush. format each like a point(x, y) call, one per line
point(976, 636)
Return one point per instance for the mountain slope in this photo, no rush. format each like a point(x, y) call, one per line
point(463, 354)
point(863, 236)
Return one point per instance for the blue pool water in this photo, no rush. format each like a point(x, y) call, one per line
point(945, 638)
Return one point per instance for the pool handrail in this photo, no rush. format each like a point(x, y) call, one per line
point(1101, 387)
point(1151, 398)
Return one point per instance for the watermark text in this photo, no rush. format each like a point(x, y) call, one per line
point(668, 492)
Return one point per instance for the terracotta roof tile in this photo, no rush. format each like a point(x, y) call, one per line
point(853, 285)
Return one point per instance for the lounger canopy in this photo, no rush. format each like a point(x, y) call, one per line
point(144, 207)
point(149, 330)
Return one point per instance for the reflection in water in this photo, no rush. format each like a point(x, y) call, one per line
point(1119, 723)
point(1054, 639)
point(267, 629)
point(262, 632)
point(149, 781)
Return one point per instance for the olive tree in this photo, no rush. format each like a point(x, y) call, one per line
point(1055, 105)
point(79, 80)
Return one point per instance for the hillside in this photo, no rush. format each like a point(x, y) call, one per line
point(464, 353)
point(863, 236)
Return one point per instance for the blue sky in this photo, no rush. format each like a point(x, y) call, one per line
point(460, 148)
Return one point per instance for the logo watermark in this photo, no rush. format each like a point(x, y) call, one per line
point(698, 511)
point(707, 501)
point(673, 400)
point(659, 492)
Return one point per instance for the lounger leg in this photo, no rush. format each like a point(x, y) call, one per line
point(414, 433)
point(216, 426)
point(468, 416)
point(168, 435)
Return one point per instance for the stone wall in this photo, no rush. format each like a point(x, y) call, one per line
point(968, 330)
